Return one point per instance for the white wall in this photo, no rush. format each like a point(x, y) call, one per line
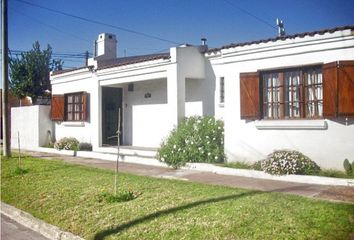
point(199, 97)
point(245, 142)
point(84, 131)
point(146, 120)
point(33, 124)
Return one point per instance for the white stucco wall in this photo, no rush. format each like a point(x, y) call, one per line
point(146, 121)
point(33, 124)
point(84, 81)
point(244, 141)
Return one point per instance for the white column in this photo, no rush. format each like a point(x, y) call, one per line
point(175, 94)
point(95, 114)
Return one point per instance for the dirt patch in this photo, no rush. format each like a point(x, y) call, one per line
point(345, 194)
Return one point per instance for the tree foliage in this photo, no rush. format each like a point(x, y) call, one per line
point(29, 72)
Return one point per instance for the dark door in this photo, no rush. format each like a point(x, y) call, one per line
point(111, 103)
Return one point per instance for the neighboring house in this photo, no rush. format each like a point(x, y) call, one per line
point(12, 102)
point(291, 92)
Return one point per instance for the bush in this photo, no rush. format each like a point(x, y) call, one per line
point(348, 167)
point(196, 139)
point(289, 162)
point(122, 196)
point(67, 144)
point(83, 146)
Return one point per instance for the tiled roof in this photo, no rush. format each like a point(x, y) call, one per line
point(297, 35)
point(67, 70)
point(131, 60)
point(103, 64)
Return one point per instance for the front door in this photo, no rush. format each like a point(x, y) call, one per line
point(111, 103)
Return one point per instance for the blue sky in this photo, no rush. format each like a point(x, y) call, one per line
point(181, 21)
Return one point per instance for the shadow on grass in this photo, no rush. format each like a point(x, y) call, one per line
point(119, 228)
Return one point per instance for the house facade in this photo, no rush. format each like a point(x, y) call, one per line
point(294, 92)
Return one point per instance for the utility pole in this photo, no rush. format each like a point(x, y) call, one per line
point(86, 58)
point(5, 80)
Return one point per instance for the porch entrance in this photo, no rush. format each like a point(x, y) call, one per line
point(111, 102)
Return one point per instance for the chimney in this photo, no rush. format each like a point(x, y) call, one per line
point(204, 47)
point(106, 47)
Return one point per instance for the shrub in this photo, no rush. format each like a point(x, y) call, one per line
point(83, 146)
point(67, 144)
point(289, 162)
point(196, 139)
point(122, 196)
point(348, 167)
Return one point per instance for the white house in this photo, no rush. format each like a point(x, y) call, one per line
point(292, 92)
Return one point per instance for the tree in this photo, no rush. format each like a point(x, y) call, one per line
point(29, 72)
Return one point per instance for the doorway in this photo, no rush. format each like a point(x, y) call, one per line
point(112, 99)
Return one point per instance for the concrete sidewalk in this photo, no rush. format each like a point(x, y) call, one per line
point(333, 193)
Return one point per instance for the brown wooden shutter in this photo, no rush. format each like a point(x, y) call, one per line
point(346, 88)
point(250, 95)
point(57, 108)
point(85, 106)
point(338, 89)
point(330, 89)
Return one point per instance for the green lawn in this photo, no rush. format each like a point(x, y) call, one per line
point(66, 195)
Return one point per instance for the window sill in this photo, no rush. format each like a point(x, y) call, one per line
point(319, 124)
point(73, 124)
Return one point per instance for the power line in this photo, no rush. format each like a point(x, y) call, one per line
point(50, 26)
point(99, 23)
point(248, 13)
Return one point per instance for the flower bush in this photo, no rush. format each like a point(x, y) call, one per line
point(67, 144)
point(196, 139)
point(289, 162)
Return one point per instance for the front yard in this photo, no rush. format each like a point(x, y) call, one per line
point(67, 196)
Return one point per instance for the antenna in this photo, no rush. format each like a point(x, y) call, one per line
point(281, 29)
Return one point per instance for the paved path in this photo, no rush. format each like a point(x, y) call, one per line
point(11, 230)
point(309, 190)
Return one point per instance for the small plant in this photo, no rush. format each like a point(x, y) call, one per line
point(122, 196)
point(84, 146)
point(289, 162)
point(348, 167)
point(67, 144)
point(20, 171)
point(196, 139)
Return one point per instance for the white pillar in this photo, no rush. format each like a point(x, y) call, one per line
point(95, 114)
point(176, 90)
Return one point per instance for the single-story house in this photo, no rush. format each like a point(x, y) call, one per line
point(291, 92)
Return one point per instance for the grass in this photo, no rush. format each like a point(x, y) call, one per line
point(67, 196)
point(323, 172)
point(238, 165)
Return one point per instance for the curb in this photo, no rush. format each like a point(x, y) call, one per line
point(46, 229)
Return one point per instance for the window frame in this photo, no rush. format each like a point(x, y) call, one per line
point(285, 104)
point(221, 91)
point(79, 102)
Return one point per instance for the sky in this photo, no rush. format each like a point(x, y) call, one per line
point(179, 21)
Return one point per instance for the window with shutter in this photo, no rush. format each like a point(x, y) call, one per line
point(57, 108)
point(76, 106)
point(249, 95)
point(292, 93)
